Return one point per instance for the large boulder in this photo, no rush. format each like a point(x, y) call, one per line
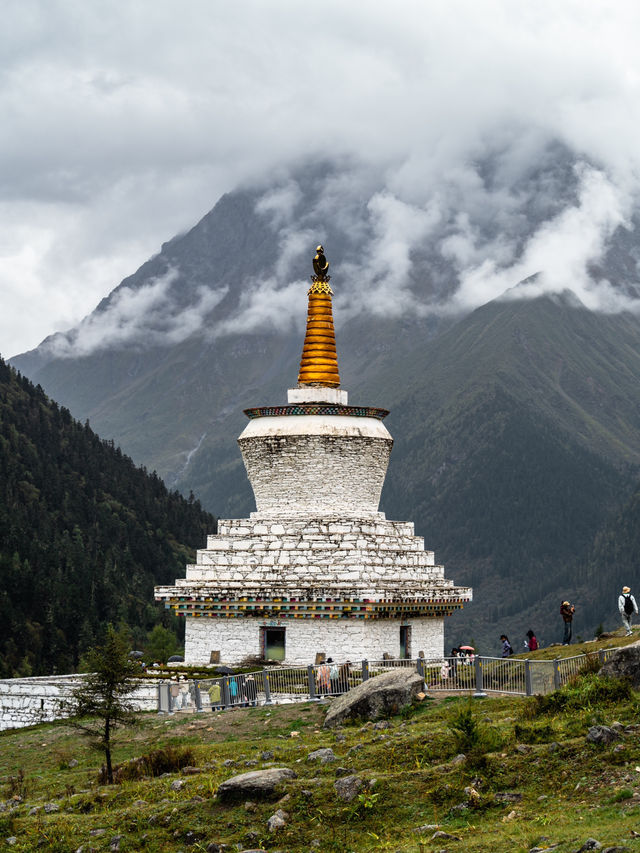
point(377, 697)
point(624, 663)
point(256, 785)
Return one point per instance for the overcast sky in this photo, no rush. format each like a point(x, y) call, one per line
point(122, 123)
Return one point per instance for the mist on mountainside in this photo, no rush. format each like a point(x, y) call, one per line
point(515, 423)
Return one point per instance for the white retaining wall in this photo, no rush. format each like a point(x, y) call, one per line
point(27, 701)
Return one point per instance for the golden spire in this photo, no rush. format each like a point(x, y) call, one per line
point(319, 363)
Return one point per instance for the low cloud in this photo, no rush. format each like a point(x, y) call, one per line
point(125, 123)
point(143, 317)
point(560, 254)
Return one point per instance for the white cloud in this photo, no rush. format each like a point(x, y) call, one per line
point(558, 255)
point(141, 317)
point(123, 124)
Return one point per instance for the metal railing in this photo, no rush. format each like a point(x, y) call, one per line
point(473, 674)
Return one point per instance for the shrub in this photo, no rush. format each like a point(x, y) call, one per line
point(471, 738)
point(167, 759)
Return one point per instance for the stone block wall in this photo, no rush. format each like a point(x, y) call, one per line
point(340, 639)
point(316, 556)
point(27, 701)
point(316, 464)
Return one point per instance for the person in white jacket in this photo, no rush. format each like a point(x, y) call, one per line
point(627, 607)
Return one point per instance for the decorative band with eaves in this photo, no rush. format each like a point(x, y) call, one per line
point(316, 409)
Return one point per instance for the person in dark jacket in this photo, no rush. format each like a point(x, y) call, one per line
point(507, 649)
point(566, 611)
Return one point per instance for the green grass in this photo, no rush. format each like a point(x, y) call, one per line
point(534, 774)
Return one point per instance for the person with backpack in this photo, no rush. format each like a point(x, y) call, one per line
point(507, 649)
point(566, 611)
point(627, 607)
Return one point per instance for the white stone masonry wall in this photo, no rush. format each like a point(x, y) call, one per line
point(330, 464)
point(315, 557)
point(354, 640)
point(27, 701)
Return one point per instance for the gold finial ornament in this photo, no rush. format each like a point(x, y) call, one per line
point(320, 265)
point(319, 363)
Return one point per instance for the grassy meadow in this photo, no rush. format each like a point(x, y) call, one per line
point(529, 779)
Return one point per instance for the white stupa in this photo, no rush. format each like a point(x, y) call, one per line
point(317, 569)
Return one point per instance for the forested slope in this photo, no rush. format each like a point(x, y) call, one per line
point(84, 534)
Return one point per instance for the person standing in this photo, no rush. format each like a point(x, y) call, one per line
point(507, 649)
point(627, 607)
point(532, 642)
point(566, 611)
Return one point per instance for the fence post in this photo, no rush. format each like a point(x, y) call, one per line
point(164, 698)
point(226, 695)
point(267, 687)
point(601, 655)
point(198, 698)
point(365, 670)
point(479, 694)
point(420, 667)
point(312, 682)
point(556, 674)
point(527, 678)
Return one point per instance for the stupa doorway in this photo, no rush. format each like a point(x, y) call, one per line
point(273, 644)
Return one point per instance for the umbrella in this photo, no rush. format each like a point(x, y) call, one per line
point(224, 670)
point(466, 648)
point(175, 659)
point(136, 655)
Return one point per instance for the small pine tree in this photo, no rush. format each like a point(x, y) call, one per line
point(102, 702)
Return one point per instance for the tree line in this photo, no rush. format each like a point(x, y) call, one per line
point(84, 535)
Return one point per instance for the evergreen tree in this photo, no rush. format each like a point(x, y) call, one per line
point(102, 702)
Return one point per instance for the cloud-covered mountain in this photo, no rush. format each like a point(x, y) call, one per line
point(514, 423)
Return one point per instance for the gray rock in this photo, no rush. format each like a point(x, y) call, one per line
point(177, 785)
point(250, 762)
point(427, 827)
point(624, 663)
point(277, 821)
point(267, 755)
point(601, 735)
point(508, 797)
point(51, 807)
point(324, 756)
point(73, 763)
point(114, 844)
point(590, 844)
point(377, 697)
point(11, 840)
point(348, 787)
point(257, 784)
point(542, 849)
point(459, 759)
point(441, 834)
point(97, 833)
point(229, 763)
